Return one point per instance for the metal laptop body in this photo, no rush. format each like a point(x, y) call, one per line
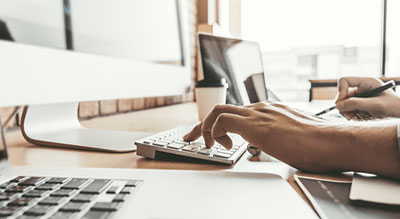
point(172, 194)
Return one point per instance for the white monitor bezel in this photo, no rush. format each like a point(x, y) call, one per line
point(28, 77)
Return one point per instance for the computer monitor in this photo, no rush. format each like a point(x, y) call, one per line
point(60, 52)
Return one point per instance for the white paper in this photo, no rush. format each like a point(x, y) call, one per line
point(375, 189)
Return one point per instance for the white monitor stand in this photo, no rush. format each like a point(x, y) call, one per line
point(58, 125)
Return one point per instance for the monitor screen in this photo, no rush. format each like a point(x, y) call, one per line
point(232, 59)
point(128, 29)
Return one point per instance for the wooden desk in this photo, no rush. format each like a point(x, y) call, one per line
point(153, 120)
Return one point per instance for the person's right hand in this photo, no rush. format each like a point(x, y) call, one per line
point(386, 104)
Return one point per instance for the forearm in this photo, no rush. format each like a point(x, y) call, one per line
point(370, 147)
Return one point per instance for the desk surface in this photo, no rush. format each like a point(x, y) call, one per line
point(153, 120)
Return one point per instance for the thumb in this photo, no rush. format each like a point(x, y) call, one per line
point(354, 104)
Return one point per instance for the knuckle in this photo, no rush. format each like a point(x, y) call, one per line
point(219, 107)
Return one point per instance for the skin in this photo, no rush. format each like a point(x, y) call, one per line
point(305, 141)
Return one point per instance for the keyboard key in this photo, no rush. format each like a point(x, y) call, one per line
point(120, 198)
point(182, 142)
point(20, 202)
point(19, 189)
point(132, 183)
point(112, 190)
point(158, 143)
point(83, 198)
point(35, 193)
point(105, 206)
point(63, 193)
point(57, 180)
point(62, 215)
point(96, 187)
point(96, 215)
point(127, 190)
point(8, 211)
point(75, 184)
point(47, 186)
point(175, 146)
point(72, 207)
point(222, 155)
point(7, 185)
point(33, 181)
point(38, 210)
point(8, 196)
point(19, 179)
point(226, 152)
point(206, 151)
point(52, 201)
point(148, 141)
point(191, 148)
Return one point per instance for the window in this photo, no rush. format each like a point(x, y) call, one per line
point(314, 39)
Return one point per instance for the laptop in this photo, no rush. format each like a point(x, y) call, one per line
point(58, 192)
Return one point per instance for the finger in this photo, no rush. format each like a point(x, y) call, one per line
point(225, 123)
point(346, 82)
point(212, 116)
point(194, 134)
point(354, 104)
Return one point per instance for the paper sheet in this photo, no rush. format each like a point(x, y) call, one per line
point(375, 189)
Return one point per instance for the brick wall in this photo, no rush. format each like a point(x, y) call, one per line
point(92, 109)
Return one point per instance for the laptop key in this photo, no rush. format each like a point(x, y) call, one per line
point(8, 196)
point(132, 183)
point(120, 198)
point(52, 201)
point(75, 184)
point(19, 189)
point(38, 210)
point(57, 180)
point(72, 207)
point(19, 179)
point(96, 187)
point(112, 190)
point(63, 192)
point(35, 193)
point(96, 215)
point(33, 181)
point(7, 185)
point(105, 206)
point(19, 202)
point(83, 198)
point(8, 211)
point(62, 215)
point(46, 186)
point(127, 190)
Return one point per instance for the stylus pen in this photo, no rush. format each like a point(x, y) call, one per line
point(370, 93)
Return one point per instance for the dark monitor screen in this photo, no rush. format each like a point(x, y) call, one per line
point(232, 59)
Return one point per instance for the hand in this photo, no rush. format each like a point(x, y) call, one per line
point(287, 134)
point(386, 104)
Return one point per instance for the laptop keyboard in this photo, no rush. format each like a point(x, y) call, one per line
point(171, 141)
point(63, 198)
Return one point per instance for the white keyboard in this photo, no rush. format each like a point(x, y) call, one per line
point(171, 141)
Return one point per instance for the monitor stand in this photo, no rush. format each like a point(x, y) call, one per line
point(58, 125)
